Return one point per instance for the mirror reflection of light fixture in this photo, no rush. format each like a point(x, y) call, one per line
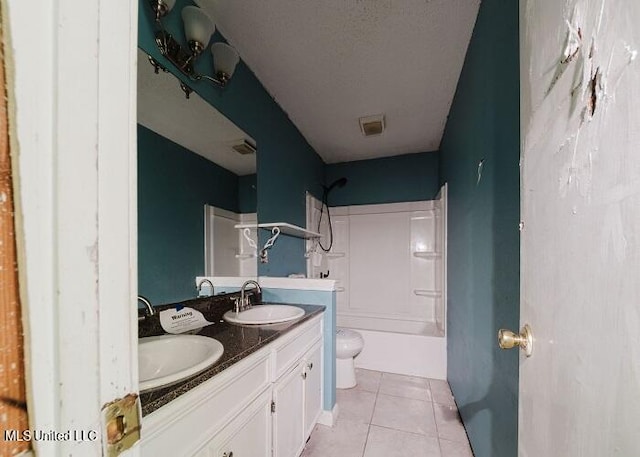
point(198, 29)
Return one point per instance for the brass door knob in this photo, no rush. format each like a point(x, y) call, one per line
point(508, 339)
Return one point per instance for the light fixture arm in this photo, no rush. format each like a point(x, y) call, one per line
point(186, 89)
point(181, 57)
point(176, 54)
point(160, 7)
point(221, 79)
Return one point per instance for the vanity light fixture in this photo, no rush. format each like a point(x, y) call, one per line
point(198, 28)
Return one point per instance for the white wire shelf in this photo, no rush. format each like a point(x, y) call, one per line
point(285, 229)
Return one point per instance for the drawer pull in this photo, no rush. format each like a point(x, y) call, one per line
point(227, 454)
point(310, 366)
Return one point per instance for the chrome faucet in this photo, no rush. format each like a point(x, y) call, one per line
point(244, 303)
point(150, 310)
point(199, 286)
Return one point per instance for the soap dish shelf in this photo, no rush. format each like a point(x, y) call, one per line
point(427, 254)
point(427, 293)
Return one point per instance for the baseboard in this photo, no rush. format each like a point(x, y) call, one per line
point(329, 418)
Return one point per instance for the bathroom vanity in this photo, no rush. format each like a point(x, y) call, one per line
point(261, 399)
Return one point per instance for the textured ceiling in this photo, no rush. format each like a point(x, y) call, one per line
point(192, 123)
point(329, 62)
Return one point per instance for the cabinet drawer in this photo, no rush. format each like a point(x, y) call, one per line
point(295, 345)
point(183, 426)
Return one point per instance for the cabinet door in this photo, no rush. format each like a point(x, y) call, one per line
point(249, 434)
point(312, 365)
point(288, 439)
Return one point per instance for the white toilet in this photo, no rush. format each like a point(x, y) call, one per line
point(349, 343)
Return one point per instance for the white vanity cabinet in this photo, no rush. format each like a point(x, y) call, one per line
point(298, 399)
point(297, 379)
point(263, 406)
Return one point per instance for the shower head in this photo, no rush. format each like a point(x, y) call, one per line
point(337, 183)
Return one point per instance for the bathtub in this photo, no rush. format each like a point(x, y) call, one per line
point(389, 262)
point(398, 346)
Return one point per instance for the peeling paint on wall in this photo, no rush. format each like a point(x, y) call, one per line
point(480, 167)
point(584, 84)
point(573, 44)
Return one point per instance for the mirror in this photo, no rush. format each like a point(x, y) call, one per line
point(196, 182)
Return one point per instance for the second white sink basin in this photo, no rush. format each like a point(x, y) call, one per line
point(166, 359)
point(264, 314)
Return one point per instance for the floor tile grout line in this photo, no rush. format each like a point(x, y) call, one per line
point(404, 398)
point(407, 398)
point(386, 427)
point(373, 411)
point(435, 421)
point(366, 440)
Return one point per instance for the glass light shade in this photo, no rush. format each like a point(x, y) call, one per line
point(225, 58)
point(198, 26)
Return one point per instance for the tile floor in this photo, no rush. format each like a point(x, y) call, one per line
point(389, 415)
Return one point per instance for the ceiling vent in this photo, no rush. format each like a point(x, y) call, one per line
point(244, 148)
point(372, 125)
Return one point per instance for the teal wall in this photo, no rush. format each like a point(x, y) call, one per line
point(403, 178)
point(285, 174)
point(173, 186)
point(248, 193)
point(483, 262)
point(281, 147)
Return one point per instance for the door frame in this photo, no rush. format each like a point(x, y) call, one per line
point(73, 99)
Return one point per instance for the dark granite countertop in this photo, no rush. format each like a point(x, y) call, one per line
point(238, 341)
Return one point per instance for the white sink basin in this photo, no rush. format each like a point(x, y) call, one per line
point(166, 359)
point(264, 314)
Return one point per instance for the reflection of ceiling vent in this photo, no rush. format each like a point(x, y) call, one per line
point(372, 125)
point(244, 148)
